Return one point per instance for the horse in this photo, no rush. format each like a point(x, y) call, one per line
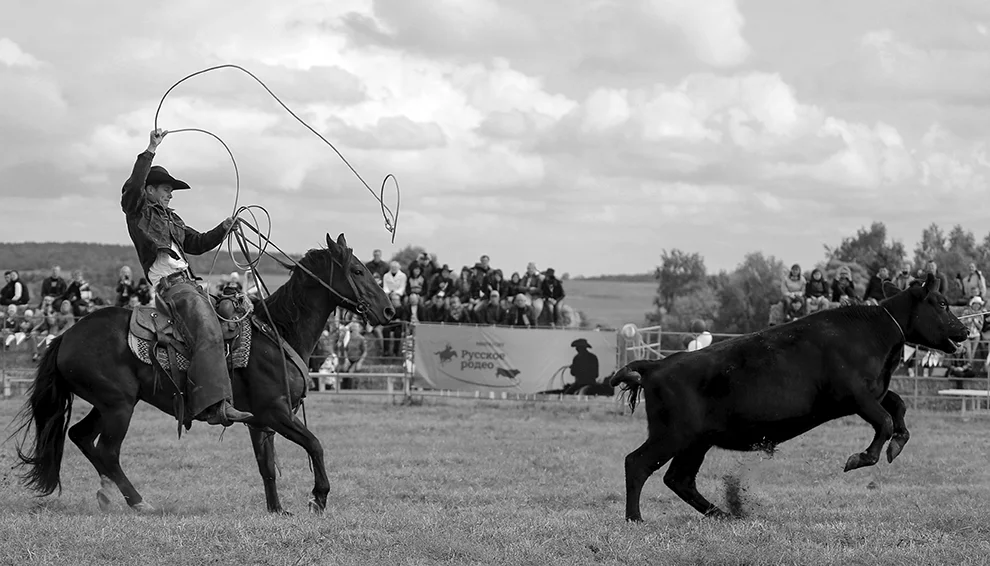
point(758, 390)
point(92, 360)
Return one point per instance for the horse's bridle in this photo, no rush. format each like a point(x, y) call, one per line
point(359, 307)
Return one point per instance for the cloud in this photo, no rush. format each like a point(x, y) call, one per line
point(11, 55)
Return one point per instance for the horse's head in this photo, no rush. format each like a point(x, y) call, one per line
point(929, 322)
point(354, 286)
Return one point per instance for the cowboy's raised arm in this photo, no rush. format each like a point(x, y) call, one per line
point(132, 195)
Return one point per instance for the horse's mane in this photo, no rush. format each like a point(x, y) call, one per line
point(286, 304)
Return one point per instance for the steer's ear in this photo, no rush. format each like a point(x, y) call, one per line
point(889, 289)
point(930, 283)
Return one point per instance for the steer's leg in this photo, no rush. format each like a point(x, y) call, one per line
point(681, 475)
point(872, 412)
point(896, 408)
point(640, 465)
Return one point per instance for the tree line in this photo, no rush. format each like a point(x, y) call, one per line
point(739, 301)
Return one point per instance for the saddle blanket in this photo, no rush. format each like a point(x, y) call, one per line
point(239, 356)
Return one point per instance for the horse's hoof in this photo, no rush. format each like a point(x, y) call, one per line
point(103, 500)
point(634, 519)
point(895, 447)
point(144, 507)
point(314, 507)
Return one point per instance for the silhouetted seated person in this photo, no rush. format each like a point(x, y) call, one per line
point(843, 290)
point(794, 308)
point(816, 292)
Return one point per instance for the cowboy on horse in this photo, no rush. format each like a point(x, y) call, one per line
point(162, 241)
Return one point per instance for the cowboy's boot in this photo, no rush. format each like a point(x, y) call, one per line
point(223, 413)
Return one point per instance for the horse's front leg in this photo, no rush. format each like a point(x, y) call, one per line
point(264, 451)
point(289, 426)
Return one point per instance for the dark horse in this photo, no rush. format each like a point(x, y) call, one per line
point(759, 390)
point(92, 360)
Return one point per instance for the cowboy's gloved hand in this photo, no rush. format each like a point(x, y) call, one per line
point(229, 223)
point(156, 138)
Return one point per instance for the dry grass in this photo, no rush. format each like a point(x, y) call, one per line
point(511, 483)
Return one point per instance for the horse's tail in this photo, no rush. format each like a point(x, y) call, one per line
point(631, 380)
point(48, 408)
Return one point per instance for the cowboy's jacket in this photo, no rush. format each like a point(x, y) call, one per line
point(153, 227)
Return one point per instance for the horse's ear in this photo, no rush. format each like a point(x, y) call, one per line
point(341, 241)
point(889, 289)
point(330, 245)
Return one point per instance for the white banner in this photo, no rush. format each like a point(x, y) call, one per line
point(517, 360)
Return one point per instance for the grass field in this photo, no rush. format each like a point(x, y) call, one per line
point(609, 303)
point(484, 483)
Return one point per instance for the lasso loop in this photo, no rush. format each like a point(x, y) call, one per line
point(391, 219)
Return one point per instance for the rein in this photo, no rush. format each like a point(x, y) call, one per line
point(899, 329)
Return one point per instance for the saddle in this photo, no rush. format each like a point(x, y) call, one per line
point(153, 338)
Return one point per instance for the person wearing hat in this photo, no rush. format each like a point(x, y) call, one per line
point(584, 369)
point(702, 337)
point(162, 241)
point(440, 284)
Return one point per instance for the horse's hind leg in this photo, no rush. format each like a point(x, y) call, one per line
point(115, 423)
point(289, 426)
point(264, 452)
point(640, 465)
point(83, 434)
point(895, 406)
point(681, 479)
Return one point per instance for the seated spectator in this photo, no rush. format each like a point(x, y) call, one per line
point(874, 289)
point(903, 279)
point(78, 293)
point(531, 283)
point(553, 293)
point(440, 283)
point(701, 338)
point(395, 280)
point(377, 265)
point(479, 275)
point(436, 307)
point(47, 306)
point(515, 285)
point(11, 323)
point(415, 282)
point(843, 290)
point(64, 319)
point(54, 285)
point(491, 311)
point(14, 292)
point(413, 311)
point(427, 264)
point(134, 302)
point(326, 346)
point(795, 308)
point(496, 282)
point(973, 318)
point(943, 281)
point(816, 292)
point(463, 285)
point(125, 287)
point(23, 325)
point(457, 312)
point(520, 313)
point(792, 286)
point(355, 350)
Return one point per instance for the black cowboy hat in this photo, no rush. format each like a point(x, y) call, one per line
point(159, 176)
point(580, 343)
point(445, 268)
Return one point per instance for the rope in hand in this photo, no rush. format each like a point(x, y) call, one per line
point(391, 219)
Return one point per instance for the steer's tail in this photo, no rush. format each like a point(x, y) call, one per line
point(629, 378)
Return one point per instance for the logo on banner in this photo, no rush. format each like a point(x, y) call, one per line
point(481, 362)
point(447, 354)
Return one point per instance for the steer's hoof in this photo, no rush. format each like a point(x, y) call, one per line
point(858, 461)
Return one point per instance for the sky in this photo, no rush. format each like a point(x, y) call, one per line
point(584, 136)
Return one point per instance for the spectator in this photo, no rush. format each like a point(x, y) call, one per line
point(427, 264)
point(874, 288)
point(492, 312)
point(125, 287)
point(515, 285)
point(355, 352)
point(553, 293)
point(133, 302)
point(392, 332)
point(817, 292)
point(531, 282)
point(903, 279)
point(520, 313)
point(10, 323)
point(436, 307)
point(463, 285)
point(54, 285)
point(325, 352)
point(481, 270)
point(14, 292)
point(47, 306)
point(457, 312)
point(376, 265)
point(942, 282)
point(416, 282)
point(413, 311)
point(20, 329)
point(974, 285)
point(395, 280)
point(974, 323)
point(843, 290)
point(793, 287)
point(497, 282)
point(78, 293)
point(440, 283)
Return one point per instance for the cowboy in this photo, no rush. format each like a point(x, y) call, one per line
point(162, 241)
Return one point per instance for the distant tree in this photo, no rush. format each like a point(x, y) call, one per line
point(746, 294)
point(407, 255)
point(566, 276)
point(679, 274)
point(931, 246)
point(870, 249)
